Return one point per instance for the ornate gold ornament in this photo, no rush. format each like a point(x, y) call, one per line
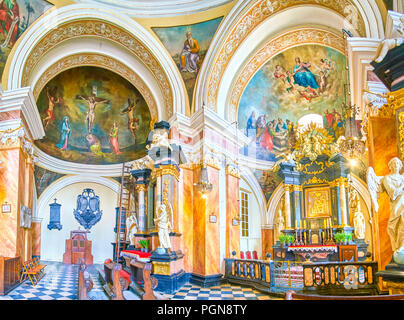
point(161, 268)
point(315, 180)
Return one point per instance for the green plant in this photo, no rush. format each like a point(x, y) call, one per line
point(283, 238)
point(144, 243)
point(339, 237)
point(347, 236)
point(291, 238)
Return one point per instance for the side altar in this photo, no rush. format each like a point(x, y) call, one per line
point(153, 225)
point(313, 222)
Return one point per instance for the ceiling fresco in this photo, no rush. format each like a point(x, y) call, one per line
point(15, 17)
point(303, 80)
point(94, 116)
point(187, 46)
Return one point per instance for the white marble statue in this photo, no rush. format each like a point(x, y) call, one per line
point(280, 223)
point(160, 139)
point(164, 225)
point(388, 44)
point(393, 185)
point(359, 225)
point(131, 228)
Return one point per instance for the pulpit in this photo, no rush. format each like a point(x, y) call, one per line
point(78, 247)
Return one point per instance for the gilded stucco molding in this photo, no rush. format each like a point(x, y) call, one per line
point(95, 28)
point(260, 11)
point(17, 138)
point(98, 60)
point(272, 48)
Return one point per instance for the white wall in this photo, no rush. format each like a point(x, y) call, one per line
point(253, 241)
point(101, 234)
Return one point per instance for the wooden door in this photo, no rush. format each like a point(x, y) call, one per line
point(78, 248)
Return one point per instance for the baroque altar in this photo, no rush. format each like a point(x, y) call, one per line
point(316, 203)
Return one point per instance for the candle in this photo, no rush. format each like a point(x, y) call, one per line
point(304, 224)
point(295, 224)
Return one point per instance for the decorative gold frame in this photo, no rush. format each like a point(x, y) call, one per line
point(325, 190)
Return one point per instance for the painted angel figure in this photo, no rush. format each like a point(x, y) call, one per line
point(393, 185)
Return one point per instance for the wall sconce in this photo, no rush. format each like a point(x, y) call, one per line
point(212, 218)
point(235, 221)
point(6, 207)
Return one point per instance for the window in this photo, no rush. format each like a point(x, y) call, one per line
point(244, 214)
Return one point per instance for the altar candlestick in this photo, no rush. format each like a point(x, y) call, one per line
point(295, 224)
point(304, 224)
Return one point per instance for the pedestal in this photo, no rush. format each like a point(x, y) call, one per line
point(168, 269)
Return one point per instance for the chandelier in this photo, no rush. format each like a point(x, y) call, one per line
point(352, 144)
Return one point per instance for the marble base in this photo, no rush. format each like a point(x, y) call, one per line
point(171, 283)
point(206, 281)
point(393, 278)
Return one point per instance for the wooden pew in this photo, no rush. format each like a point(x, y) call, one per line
point(292, 295)
point(85, 282)
point(114, 283)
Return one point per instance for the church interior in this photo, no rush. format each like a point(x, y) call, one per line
point(201, 150)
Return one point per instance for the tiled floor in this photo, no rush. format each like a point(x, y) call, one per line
point(223, 292)
point(61, 280)
point(59, 283)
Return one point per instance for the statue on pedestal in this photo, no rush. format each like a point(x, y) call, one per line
point(358, 219)
point(388, 44)
point(160, 139)
point(393, 185)
point(279, 222)
point(164, 225)
point(131, 228)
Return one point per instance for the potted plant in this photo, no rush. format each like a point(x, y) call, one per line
point(339, 237)
point(347, 237)
point(290, 239)
point(144, 245)
point(283, 238)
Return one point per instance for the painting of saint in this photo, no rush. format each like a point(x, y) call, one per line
point(187, 45)
point(15, 17)
point(113, 139)
point(65, 134)
point(107, 120)
point(303, 76)
point(133, 122)
point(303, 80)
point(189, 57)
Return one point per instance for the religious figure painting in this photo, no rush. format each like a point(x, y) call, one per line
point(15, 17)
point(100, 118)
point(188, 45)
point(317, 202)
point(44, 178)
point(299, 82)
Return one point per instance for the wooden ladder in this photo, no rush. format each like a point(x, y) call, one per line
point(124, 206)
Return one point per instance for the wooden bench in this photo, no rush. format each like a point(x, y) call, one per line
point(144, 276)
point(32, 270)
point(85, 282)
point(114, 283)
point(291, 295)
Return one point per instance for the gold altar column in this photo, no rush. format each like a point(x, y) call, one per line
point(287, 207)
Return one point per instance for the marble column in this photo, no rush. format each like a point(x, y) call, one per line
point(287, 207)
point(344, 217)
point(297, 191)
point(141, 188)
point(142, 181)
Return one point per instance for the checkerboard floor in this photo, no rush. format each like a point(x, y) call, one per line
point(59, 283)
point(222, 292)
point(61, 280)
